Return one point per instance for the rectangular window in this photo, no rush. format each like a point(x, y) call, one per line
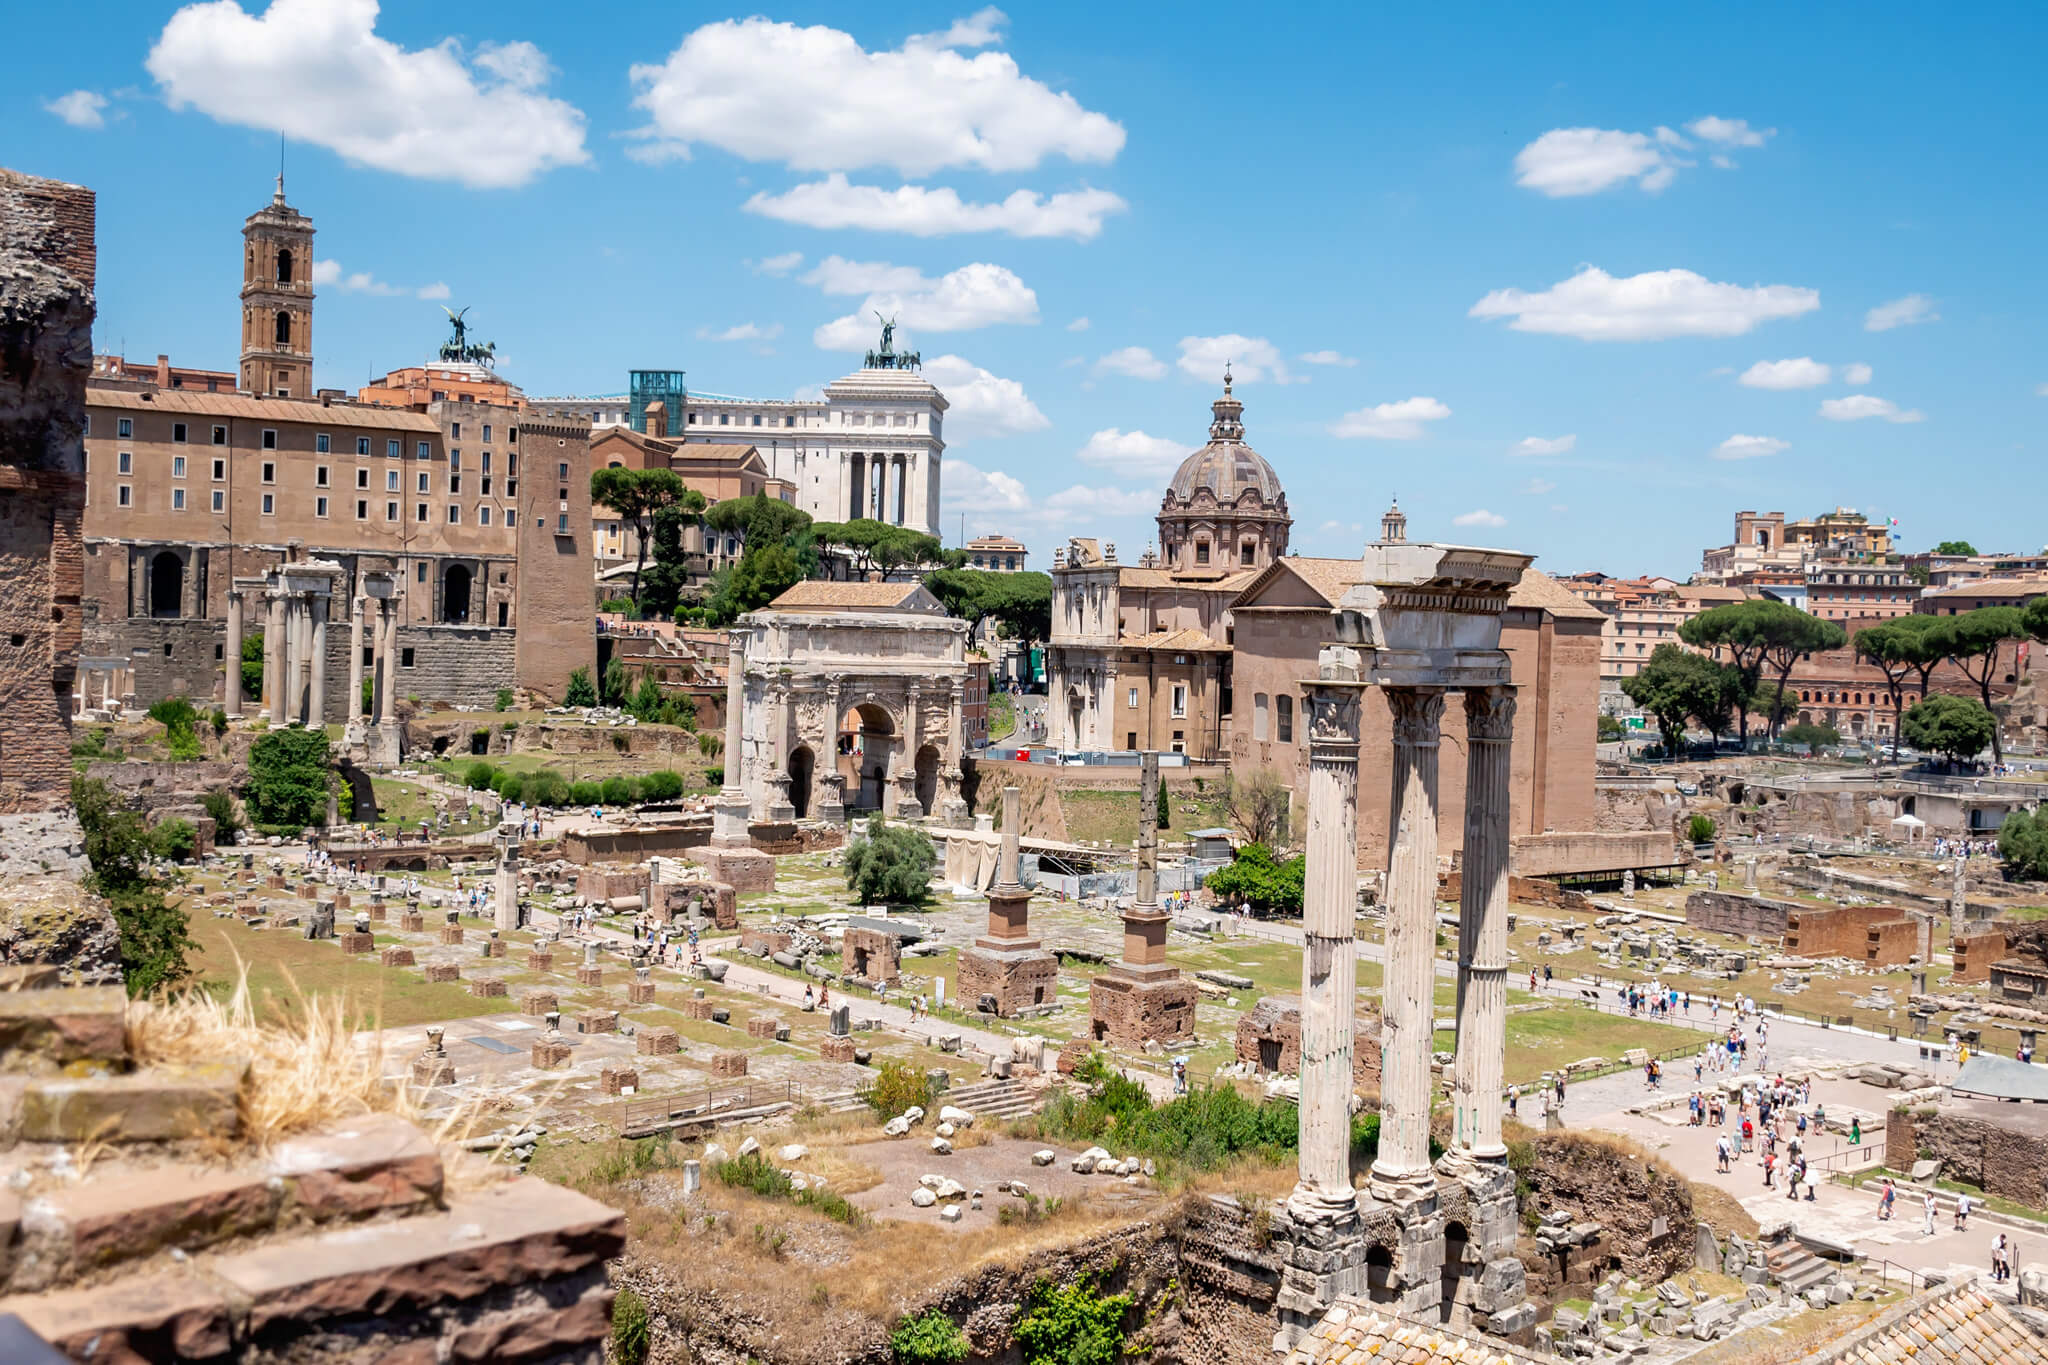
point(178, 432)
point(125, 428)
point(487, 462)
point(390, 481)
point(757, 419)
point(391, 511)
point(562, 524)
point(220, 471)
point(454, 515)
point(483, 516)
point(423, 449)
point(362, 509)
point(455, 431)
point(126, 462)
point(562, 471)
point(1201, 552)
point(391, 450)
point(269, 472)
point(486, 489)
point(420, 512)
point(487, 433)
point(1131, 740)
point(455, 459)
point(177, 466)
point(220, 436)
point(1261, 725)
point(362, 478)
point(511, 488)
point(125, 496)
point(405, 658)
point(1180, 699)
point(1283, 718)
point(269, 438)
point(1132, 699)
point(423, 481)
point(454, 483)
point(362, 445)
point(220, 501)
point(269, 504)
point(1180, 743)
point(789, 421)
point(177, 499)
point(319, 507)
point(320, 476)
point(423, 571)
point(320, 443)
point(512, 436)
point(724, 420)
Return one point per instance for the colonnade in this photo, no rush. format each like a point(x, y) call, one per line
point(886, 486)
point(298, 602)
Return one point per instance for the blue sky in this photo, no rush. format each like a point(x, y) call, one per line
point(1580, 281)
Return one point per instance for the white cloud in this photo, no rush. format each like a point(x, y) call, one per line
point(1545, 445)
point(922, 212)
point(1803, 373)
point(1572, 161)
point(330, 275)
point(1328, 358)
point(1479, 517)
point(779, 265)
point(1133, 452)
point(1858, 406)
point(1721, 161)
point(1400, 421)
point(815, 100)
point(1729, 132)
point(968, 489)
point(1653, 306)
point(1740, 447)
point(1078, 325)
point(2041, 391)
point(1905, 312)
point(978, 295)
point(80, 108)
point(1536, 488)
point(977, 30)
point(316, 71)
point(744, 331)
point(1251, 359)
point(1135, 361)
point(980, 403)
point(1856, 374)
point(1100, 502)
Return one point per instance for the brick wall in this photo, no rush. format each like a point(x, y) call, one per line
point(557, 603)
point(1995, 1147)
point(1726, 912)
point(1974, 954)
point(1836, 931)
point(47, 266)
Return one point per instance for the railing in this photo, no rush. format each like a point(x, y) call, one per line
point(636, 1114)
point(1848, 1159)
point(1915, 1279)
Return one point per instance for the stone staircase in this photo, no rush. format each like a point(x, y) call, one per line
point(136, 1225)
point(1796, 1269)
point(993, 1099)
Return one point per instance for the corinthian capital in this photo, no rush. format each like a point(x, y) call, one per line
point(1490, 713)
point(1332, 716)
point(1418, 715)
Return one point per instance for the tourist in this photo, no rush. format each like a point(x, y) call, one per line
point(1180, 1075)
point(1856, 1131)
point(1770, 1168)
point(1962, 1213)
point(810, 1000)
point(825, 998)
point(1514, 1099)
point(2001, 1259)
point(1721, 1152)
point(1927, 1209)
point(1886, 1200)
point(1546, 976)
point(1560, 1090)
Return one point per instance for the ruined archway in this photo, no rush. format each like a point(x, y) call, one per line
point(801, 763)
point(166, 586)
point(867, 738)
point(927, 783)
point(1456, 1247)
point(1379, 1274)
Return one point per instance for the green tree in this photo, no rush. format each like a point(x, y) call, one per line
point(1072, 1324)
point(288, 778)
point(1019, 603)
point(2023, 845)
point(252, 668)
point(617, 682)
point(928, 1338)
point(648, 702)
point(219, 804)
point(504, 699)
point(174, 840)
point(480, 776)
point(1700, 829)
point(873, 545)
point(1762, 635)
point(1973, 642)
point(1674, 685)
point(662, 586)
point(764, 573)
point(1955, 726)
point(1163, 810)
point(2035, 618)
point(1896, 648)
point(180, 722)
point(1608, 729)
point(758, 520)
point(1955, 547)
point(155, 936)
point(1256, 878)
point(890, 865)
point(1812, 736)
point(636, 495)
point(579, 692)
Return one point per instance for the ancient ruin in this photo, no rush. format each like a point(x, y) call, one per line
point(1143, 998)
point(1007, 971)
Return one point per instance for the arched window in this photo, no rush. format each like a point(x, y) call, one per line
point(284, 266)
point(284, 328)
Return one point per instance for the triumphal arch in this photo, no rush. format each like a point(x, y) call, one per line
point(851, 701)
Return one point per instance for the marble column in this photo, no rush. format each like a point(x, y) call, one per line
point(388, 683)
point(373, 609)
point(729, 819)
point(1329, 964)
point(316, 702)
point(274, 657)
point(505, 891)
point(907, 804)
point(780, 807)
point(1401, 1172)
point(353, 710)
point(231, 657)
point(830, 803)
point(1483, 932)
point(953, 806)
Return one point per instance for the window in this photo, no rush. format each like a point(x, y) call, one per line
point(512, 435)
point(487, 435)
point(483, 516)
point(423, 481)
point(362, 445)
point(486, 489)
point(789, 421)
point(391, 450)
point(390, 481)
point(220, 501)
point(177, 466)
point(454, 515)
point(269, 504)
point(422, 451)
point(420, 512)
point(1201, 552)
point(511, 488)
point(1180, 743)
point(391, 511)
point(319, 507)
point(362, 478)
point(320, 443)
point(269, 438)
point(178, 432)
point(1283, 718)
point(454, 483)
point(455, 459)
point(1180, 699)
point(125, 496)
point(126, 461)
point(125, 428)
point(1130, 739)
point(362, 509)
point(177, 499)
point(269, 472)
point(487, 458)
point(562, 524)
point(220, 436)
point(1260, 723)
point(220, 471)
point(405, 658)
point(1244, 553)
point(1131, 698)
point(725, 419)
point(423, 572)
point(455, 431)
point(757, 419)
point(562, 471)
point(319, 476)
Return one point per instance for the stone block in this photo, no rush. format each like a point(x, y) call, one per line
point(357, 943)
point(451, 934)
point(538, 1003)
point(549, 1054)
point(442, 972)
point(639, 992)
point(162, 1104)
point(486, 987)
point(763, 1026)
point(494, 947)
point(598, 1021)
point(590, 976)
point(696, 1009)
point(412, 922)
point(656, 1042)
point(43, 1030)
point(837, 1050)
point(729, 1064)
point(618, 1080)
point(396, 957)
point(433, 1070)
point(538, 961)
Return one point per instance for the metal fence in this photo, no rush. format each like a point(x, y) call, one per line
point(639, 1114)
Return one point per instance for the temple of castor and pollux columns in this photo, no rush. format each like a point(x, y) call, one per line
point(1423, 624)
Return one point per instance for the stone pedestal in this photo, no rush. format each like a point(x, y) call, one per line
point(729, 1064)
point(1007, 971)
point(837, 1050)
point(396, 957)
point(639, 992)
point(598, 1021)
point(550, 1054)
point(486, 987)
point(433, 1069)
point(617, 1080)
point(493, 947)
point(1321, 1249)
point(412, 922)
point(696, 1009)
point(536, 1004)
point(451, 934)
point(763, 1026)
point(357, 943)
point(1143, 999)
point(590, 976)
point(540, 961)
point(440, 973)
point(655, 1042)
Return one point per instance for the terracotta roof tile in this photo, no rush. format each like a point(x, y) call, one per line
point(261, 409)
point(1184, 640)
point(823, 593)
point(1357, 1333)
point(1948, 1325)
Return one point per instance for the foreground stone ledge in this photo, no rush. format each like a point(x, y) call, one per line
point(43, 1030)
point(158, 1105)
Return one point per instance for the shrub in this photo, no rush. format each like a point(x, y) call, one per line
point(288, 778)
point(663, 785)
point(220, 722)
point(612, 687)
point(174, 839)
point(1700, 829)
point(586, 793)
point(180, 723)
point(480, 777)
point(2023, 845)
point(504, 699)
point(1072, 1324)
point(895, 1087)
point(1958, 727)
point(618, 791)
point(547, 788)
point(220, 805)
point(1608, 729)
point(715, 775)
point(930, 1338)
point(891, 864)
point(752, 1173)
point(579, 692)
point(632, 1335)
point(1257, 879)
point(154, 933)
point(709, 744)
point(1812, 736)
point(508, 785)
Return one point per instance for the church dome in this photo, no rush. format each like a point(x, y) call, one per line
point(1226, 467)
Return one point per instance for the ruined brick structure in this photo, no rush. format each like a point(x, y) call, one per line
point(1727, 912)
point(877, 955)
point(1879, 935)
point(1974, 954)
point(1269, 1038)
point(1008, 971)
point(47, 266)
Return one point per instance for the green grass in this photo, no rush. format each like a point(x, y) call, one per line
point(1002, 716)
point(1544, 1040)
point(1113, 815)
point(278, 959)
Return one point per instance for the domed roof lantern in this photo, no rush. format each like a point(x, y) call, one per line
point(1229, 414)
point(1393, 525)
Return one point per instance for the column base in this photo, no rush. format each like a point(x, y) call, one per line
point(384, 744)
point(832, 812)
point(953, 813)
point(1319, 1241)
point(729, 818)
point(781, 812)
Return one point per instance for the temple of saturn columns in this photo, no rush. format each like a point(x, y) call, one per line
point(1424, 623)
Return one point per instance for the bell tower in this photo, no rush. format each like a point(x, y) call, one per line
point(277, 300)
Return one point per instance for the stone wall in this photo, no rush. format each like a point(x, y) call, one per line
point(1974, 954)
point(1269, 1038)
point(1996, 1147)
point(1643, 1207)
point(1556, 855)
point(47, 267)
point(635, 845)
point(557, 583)
point(1845, 931)
point(1727, 912)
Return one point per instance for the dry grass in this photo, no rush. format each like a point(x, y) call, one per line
point(1793, 1339)
point(1721, 1211)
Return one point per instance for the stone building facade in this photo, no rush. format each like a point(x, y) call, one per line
point(47, 267)
point(277, 300)
point(479, 512)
